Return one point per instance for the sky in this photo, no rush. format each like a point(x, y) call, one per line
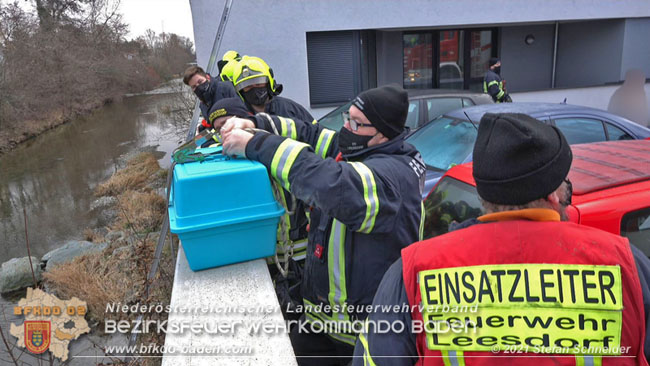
point(172, 16)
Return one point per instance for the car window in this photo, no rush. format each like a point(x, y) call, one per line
point(334, 119)
point(581, 130)
point(444, 142)
point(439, 106)
point(636, 227)
point(451, 200)
point(616, 133)
point(467, 103)
point(414, 113)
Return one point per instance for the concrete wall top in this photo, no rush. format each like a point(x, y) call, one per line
point(226, 304)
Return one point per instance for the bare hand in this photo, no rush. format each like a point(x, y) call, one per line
point(235, 141)
point(235, 123)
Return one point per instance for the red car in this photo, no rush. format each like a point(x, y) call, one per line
point(611, 191)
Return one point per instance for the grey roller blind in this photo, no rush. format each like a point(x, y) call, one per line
point(330, 59)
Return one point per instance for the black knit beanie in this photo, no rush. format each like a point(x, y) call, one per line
point(493, 61)
point(385, 107)
point(518, 159)
point(228, 107)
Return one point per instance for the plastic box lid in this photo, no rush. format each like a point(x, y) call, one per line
point(220, 191)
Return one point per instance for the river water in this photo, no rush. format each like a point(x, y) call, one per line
point(52, 177)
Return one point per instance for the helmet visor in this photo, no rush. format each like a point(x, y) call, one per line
point(261, 79)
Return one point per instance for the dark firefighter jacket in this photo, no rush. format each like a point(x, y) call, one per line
point(493, 85)
point(286, 107)
point(218, 90)
point(364, 211)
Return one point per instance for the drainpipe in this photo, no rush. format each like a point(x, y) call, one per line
point(557, 30)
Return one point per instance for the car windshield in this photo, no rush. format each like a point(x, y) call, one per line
point(451, 200)
point(444, 142)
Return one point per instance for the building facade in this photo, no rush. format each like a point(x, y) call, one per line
point(326, 51)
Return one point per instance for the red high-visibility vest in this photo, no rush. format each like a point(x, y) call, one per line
point(556, 293)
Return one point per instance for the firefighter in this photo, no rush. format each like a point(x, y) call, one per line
point(494, 85)
point(254, 81)
point(221, 111)
point(520, 285)
point(208, 89)
point(367, 206)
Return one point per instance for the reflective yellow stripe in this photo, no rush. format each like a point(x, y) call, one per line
point(423, 214)
point(324, 140)
point(314, 121)
point(338, 293)
point(369, 195)
point(492, 83)
point(283, 160)
point(367, 358)
point(287, 128)
point(453, 358)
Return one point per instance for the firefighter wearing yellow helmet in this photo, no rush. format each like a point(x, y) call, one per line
point(254, 82)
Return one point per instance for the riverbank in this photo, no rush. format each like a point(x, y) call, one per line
point(110, 263)
point(15, 134)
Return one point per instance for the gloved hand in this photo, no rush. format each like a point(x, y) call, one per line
point(235, 141)
point(236, 123)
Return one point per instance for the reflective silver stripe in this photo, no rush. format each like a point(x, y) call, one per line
point(289, 127)
point(324, 141)
point(588, 360)
point(453, 358)
point(370, 196)
point(337, 266)
point(283, 160)
point(299, 257)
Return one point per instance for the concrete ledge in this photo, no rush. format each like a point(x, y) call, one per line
point(238, 296)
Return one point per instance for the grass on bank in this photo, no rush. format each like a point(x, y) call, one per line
point(118, 274)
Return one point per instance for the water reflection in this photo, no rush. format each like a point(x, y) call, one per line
point(53, 176)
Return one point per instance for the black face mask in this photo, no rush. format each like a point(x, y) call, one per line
point(350, 142)
point(256, 96)
point(204, 91)
point(497, 70)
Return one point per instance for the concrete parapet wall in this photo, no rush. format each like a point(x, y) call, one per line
point(233, 299)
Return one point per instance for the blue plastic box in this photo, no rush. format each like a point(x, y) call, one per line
point(223, 211)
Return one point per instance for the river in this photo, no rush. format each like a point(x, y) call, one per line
point(52, 177)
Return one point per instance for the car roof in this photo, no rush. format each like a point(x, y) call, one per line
point(602, 165)
point(536, 110)
point(596, 166)
point(416, 93)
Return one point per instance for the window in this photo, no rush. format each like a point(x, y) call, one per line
point(467, 102)
point(418, 61)
point(451, 200)
point(447, 59)
point(581, 130)
point(439, 106)
point(636, 227)
point(616, 133)
point(481, 50)
point(451, 59)
point(414, 114)
point(331, 65)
